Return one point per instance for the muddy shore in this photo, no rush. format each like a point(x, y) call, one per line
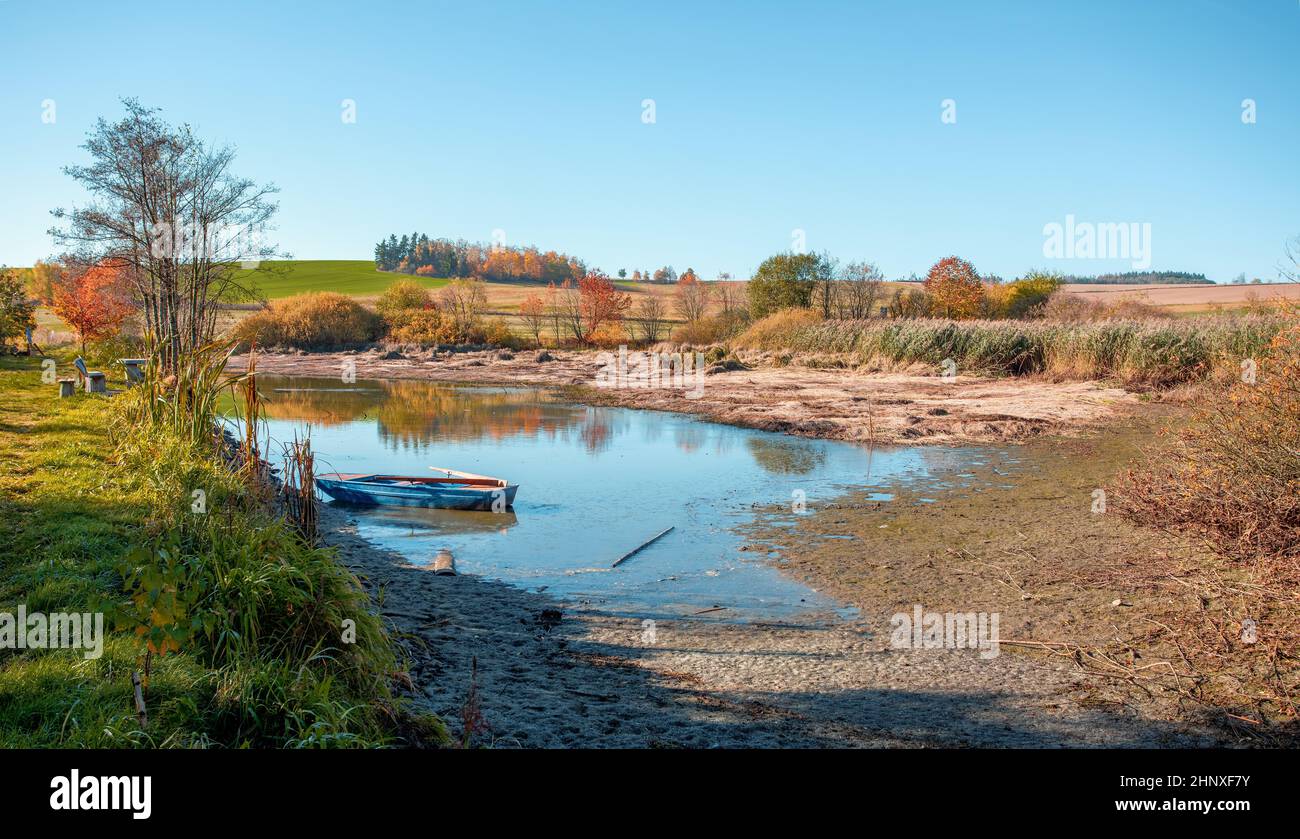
point(550, 675)
point(1015, 537)
point(834, 404)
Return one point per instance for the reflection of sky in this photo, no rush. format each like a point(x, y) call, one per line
point(594, 483)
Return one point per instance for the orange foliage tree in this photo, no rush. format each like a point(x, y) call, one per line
point(601, 303)
point(94, 302)
point(954, 288)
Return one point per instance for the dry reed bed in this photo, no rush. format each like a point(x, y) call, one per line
point(1156, 352)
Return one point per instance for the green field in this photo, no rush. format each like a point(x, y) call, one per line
point(357, 277)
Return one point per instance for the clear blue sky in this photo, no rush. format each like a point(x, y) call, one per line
point(770, 117)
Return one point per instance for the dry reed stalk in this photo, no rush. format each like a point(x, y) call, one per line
point(298, 489)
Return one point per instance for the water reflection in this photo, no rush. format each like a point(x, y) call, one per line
point(411, 416)
point(421, 520)
point(594, 482)
point(785, 456)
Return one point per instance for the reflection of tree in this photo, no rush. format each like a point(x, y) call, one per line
point(690, 437)
point(414, 414)
point(786, 457)
point(596, 431)
point(318, 401)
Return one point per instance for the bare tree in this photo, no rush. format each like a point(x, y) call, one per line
point(728, 294)
point(649, 317)
point(1292, 272)
point(859, 287)
point(463, 301)
point(168, 209)
point(691, 297)
point(568, 309)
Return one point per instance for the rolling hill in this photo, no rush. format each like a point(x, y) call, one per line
point(355, 277)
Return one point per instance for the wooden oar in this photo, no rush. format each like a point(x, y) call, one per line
point(640, 547)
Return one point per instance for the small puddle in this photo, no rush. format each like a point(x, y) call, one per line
point(594, 483)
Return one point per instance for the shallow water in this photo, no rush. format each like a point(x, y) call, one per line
point(594, 483)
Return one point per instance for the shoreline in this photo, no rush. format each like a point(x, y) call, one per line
point(555, 674)
point(551, 675)
point(558, 674)
point(834, 404)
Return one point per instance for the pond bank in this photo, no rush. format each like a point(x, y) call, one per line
point(836, 404)
point(552, 676)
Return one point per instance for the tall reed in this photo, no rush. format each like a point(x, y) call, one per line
point(1156, 352)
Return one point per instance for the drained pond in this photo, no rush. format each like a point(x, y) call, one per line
point(594, 483)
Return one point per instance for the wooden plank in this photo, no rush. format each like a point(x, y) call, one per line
point(642, 546)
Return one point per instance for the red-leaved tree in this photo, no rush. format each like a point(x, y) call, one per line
point(600, 302)
point(94, 302)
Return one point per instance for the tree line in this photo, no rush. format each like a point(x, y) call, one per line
point(1140, 278)
point(416, 253)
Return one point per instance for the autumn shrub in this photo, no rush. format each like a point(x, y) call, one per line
point(713, 329)
point(498, 333)
point(1025, 296)
point(420, 326)
point(317, 320)
point(401, 297)
point(105, 352)
point(608, 336)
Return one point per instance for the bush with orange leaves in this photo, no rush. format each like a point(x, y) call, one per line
point(94, 302)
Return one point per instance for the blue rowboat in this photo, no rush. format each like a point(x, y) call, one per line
point(451, 490)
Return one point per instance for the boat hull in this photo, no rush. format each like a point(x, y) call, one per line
point(487, 499)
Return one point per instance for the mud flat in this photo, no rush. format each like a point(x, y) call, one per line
point(1023, 537)
point(553, 674)
point(822, 403)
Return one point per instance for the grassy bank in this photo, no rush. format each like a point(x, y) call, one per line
point(1152, 352)
point(236, 624)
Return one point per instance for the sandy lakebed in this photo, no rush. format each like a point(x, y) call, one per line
point(1015, 538)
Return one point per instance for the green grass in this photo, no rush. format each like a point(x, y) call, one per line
point(93, 509)
point(355, 277)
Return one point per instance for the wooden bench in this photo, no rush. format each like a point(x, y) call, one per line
point(96, 382)
point(134, 369)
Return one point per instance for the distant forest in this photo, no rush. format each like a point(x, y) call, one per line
point(418, 254)
point(1140, 277)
